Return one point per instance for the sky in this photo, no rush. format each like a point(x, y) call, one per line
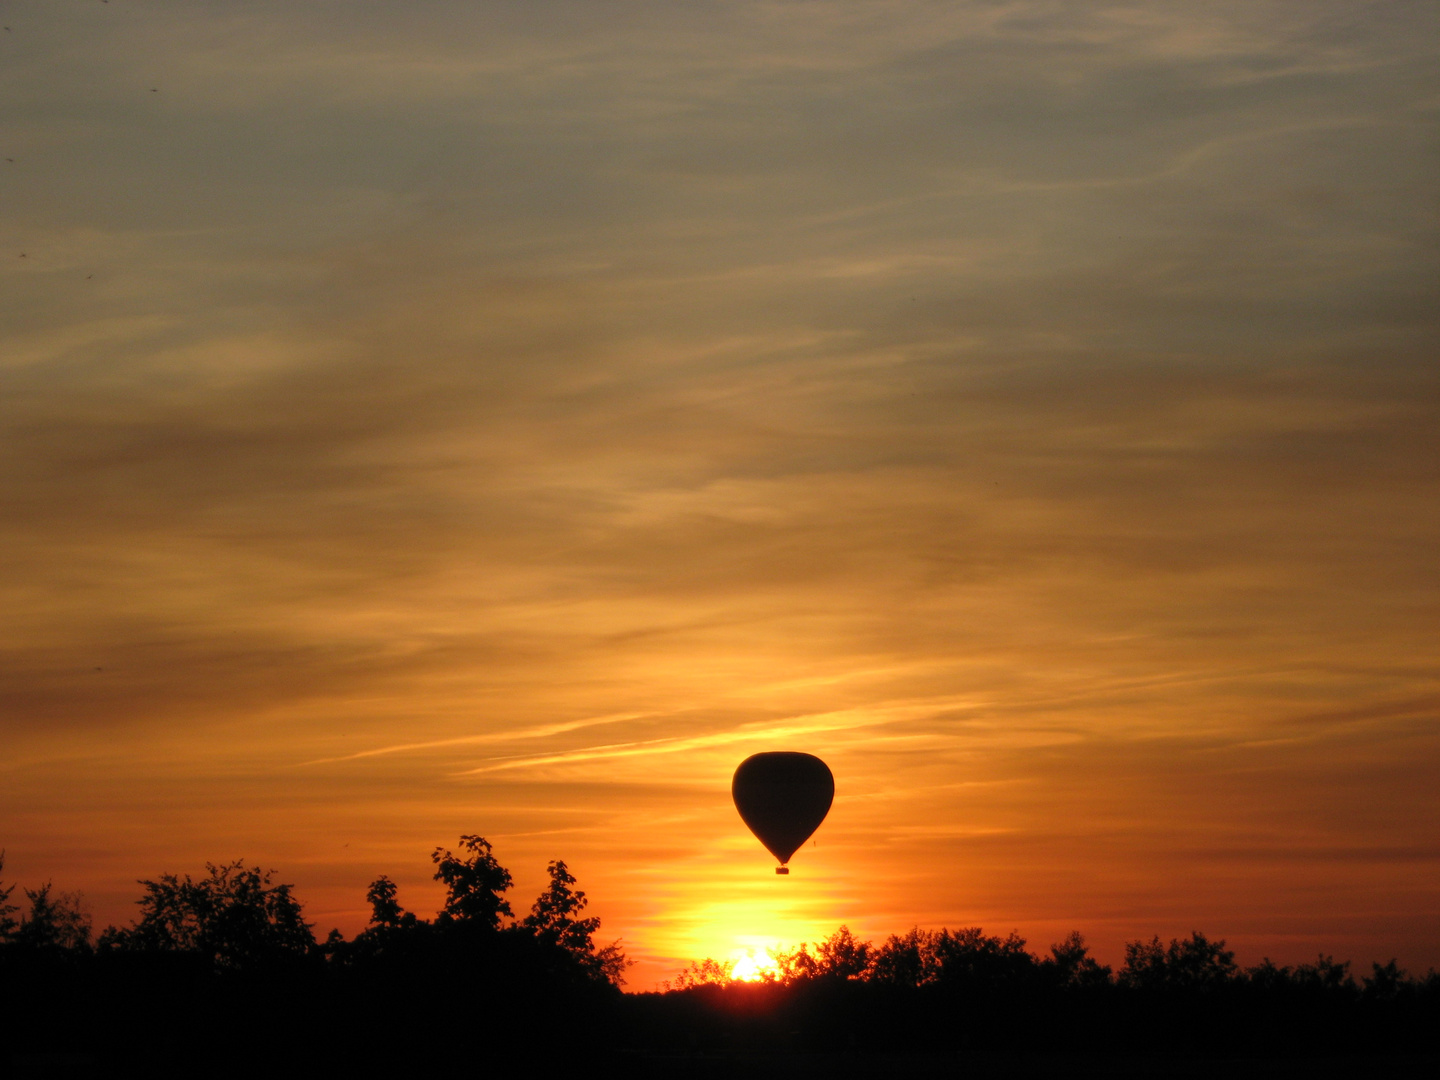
point(503, 418)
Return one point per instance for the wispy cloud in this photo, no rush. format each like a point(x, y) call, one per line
point(779, 730)
point(509, 735)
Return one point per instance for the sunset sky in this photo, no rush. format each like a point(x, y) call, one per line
point(503, 418)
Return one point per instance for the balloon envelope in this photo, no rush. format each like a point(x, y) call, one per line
point(783, 797)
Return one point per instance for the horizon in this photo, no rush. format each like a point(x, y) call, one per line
point(755, 959)
point(486, 419)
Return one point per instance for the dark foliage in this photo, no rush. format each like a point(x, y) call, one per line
point(1189, 965)
point(8, 923)
point(224, 970)
point(968, 993)
point(54, 922)
point(553, 921)
point(234, 918)
point(473, 883)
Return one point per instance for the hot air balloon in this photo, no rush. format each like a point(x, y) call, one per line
point(783, 797)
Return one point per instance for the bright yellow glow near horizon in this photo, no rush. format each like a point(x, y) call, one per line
point(754, 961)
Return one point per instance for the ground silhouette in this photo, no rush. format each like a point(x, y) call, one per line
point(224, 970)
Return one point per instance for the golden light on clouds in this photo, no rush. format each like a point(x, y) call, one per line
point(474, 420)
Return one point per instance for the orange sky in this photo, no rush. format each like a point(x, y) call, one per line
point(504, 419)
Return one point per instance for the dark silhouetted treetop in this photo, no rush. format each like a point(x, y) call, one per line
point(707, 972)
point(1327, 975)
point(793, 965)
point(553, 944)
point(553, 916)
point(971, 959)
point(1387, 982)
point(841, 956)
point(8, 922)
point(54, 921)
point(554, 920)
point(1267, 975)
point(906, 959)
point(610, 963)
point(385, 910)
point(390, 927)
point(1193, 963)
point(234, 918)
point(473, 883)
point(1070, 964)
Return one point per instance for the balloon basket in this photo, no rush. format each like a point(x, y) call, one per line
point(782, 869)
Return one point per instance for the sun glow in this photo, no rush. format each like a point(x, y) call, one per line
point(728, 905)
point(753, 964)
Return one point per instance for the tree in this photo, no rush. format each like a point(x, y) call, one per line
point(971, 959)
point(385, 910)
point(235, 918)
point(906, 959)
point(707, 972)
point(842, 956)
point(1070, 964)
point(611, 962)
point(1194, 963)
point(1327, 976)
point(54, 922)
point(838, 956)
point(8, 924)
point(474, 884)
point(553, 917)
point(1387, 983)
point(793, 965)
point(554, 920)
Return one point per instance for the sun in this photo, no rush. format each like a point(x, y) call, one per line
point(751, 964)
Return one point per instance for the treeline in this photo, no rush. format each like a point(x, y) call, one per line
point(966, 991)
point(970, 957)
point(225, 969)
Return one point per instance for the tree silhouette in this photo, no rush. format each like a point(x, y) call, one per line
point(842, 956)
point(972, 959)
point(1386, 983)
point(473, 884)
point(1326, 975)
point(1070, 964)
point(553, 916)
point(8, 923)
point(385, 910)
point(53, 922)
point(554, 920)
point(234, 918)
point(1269, 976)
point(793, 965)
point(374, 1003)
point(839, 956)
point(906, 959)
point(1194, 963)
point(707, 972)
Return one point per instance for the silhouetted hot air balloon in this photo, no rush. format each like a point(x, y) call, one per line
point(783, 796)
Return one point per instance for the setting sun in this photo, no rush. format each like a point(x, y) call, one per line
point(753, 964)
